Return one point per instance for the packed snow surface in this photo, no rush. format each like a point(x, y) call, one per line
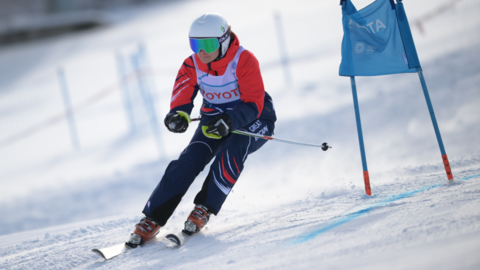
point(294, 207)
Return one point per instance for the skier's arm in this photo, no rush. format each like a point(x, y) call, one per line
point(252, 91)
point(184, 90)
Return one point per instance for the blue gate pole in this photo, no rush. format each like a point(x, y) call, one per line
point(360, 136)
point(435, 126)
point(68, 108)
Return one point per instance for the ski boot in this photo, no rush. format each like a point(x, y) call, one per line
point(197, 220)
point(144, 231)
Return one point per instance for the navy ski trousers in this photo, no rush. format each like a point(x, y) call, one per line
point(230, 154)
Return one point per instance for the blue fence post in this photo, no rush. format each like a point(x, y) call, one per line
point(283, 49)
point(68, 108)
point(139, 60)
point(127, 100)
point(360, 136)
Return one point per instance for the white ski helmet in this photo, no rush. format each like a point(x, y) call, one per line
point(212, 25)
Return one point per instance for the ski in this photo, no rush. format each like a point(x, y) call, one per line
point(111, 252)
point(175, 241)
point(179, 239)
point(116, 250)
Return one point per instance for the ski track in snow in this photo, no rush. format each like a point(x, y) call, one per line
point(308, 209)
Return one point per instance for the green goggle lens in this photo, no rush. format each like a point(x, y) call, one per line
point(209, 45)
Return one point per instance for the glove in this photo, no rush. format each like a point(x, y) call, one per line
point(176, 123)
point(220, 125)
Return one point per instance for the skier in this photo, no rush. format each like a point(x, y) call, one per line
point(229, 80)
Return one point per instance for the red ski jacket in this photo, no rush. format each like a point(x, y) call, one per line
point(253, 97)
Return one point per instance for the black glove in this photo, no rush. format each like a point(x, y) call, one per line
point(220, 125)
point(177, 124)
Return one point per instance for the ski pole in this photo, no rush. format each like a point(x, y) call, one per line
point(324, 145)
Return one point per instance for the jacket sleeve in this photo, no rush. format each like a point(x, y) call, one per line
point(252, 91)
point(185, 89)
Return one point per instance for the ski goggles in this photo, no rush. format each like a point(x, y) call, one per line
point(209, 45)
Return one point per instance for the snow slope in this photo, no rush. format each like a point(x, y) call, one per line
point(294, 207)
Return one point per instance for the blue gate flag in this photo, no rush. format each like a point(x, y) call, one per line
point(372, 42)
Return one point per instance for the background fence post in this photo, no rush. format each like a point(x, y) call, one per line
point(139, 62)
point(124, 86)
point(283, 49)
point(68, 108)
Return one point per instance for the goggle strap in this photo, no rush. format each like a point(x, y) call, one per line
point(225, 36)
